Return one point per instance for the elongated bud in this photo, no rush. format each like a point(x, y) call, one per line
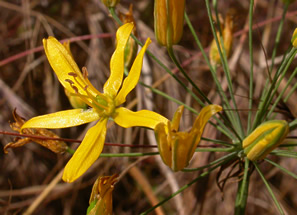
point(227, 38)
point(177, 148)
point(110, 3)
point(294, 39)
point(169, 21)
point(131, 46)
point(101, 196)
point(265, 138)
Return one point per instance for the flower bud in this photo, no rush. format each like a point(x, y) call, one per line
point(294, 39)
point(75, 101)
point(227, 38)
point(110, 3)
point(177, 148)
point(265, 138)
point(169, 21)
point(101, 196)
point(131, 46)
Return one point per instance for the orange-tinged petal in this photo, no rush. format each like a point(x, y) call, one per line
point(144, 118)
point(112, 85)
point(133, 77)
point(87, 152)
point(63, 119)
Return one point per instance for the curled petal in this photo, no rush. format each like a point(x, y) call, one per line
point(87, 152)
point(115, 79)
point(144, 118)
point(63, 119)
point(133, 77)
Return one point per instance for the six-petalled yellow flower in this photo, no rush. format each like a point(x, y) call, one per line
point(103, 105)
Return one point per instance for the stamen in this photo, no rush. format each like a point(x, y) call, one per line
point(75, 89)
point(72, 74)
point(85, 72)
point(69, 81)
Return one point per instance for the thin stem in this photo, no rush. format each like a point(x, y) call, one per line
point(281, 168)
point(251, 87)
point(269, 190)
point(185, 187)
point(237, 121)
point(231, 155)
point(135, 154)
point(278, 35)
point(242, 192)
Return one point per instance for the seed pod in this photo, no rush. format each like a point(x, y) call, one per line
point(265, 138)
point(169, 21)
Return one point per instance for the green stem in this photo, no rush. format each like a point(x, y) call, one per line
point(278, 35)
point(231, 155)
point(242, 192)
point(237, 121)
point(251, 87)
point(269, 190)
point(281, 168)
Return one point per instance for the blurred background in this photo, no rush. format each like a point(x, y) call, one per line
point(28, 84)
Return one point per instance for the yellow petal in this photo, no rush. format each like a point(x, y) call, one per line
point(114, 81)
point(206, 113)
point(145, 118)
point(87, 153)
point(181, 150)
point(133, 77)
point(62, 119)
point(60, 59)
point(164, 145)
point(176, 118)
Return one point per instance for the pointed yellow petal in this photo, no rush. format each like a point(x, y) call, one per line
point(206, 113)
point(114, 81)
point(133, 77)
point(164, 145)
point(87, 153)
point(62, 62)
point(181, 150)
point(176, 118)
point(145, 118)
point(63, 119)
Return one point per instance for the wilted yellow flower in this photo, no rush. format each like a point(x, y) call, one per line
point(294, 38)
point(132, 46)
point(265, 138)
point(177, 148)
point(227, 38)
point(110, 3)
point(103, 105)
point(169, 21)
point(101, 196)
point(53, 145)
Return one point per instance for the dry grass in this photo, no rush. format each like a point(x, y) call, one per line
point(30, 175)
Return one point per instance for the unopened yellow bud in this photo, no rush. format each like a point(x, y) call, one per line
point(169, 21)
point(177, 148)
point(131, 46)
point(294, 39)
point(227, 38)
point(101, 196)
point(110, 3)
point(265, 138)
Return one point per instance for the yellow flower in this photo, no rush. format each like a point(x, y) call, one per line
point(101, 196)
point(169, 21)
point(265, 138)
point(103, 105)
point(177, 148)
point(294, 38)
